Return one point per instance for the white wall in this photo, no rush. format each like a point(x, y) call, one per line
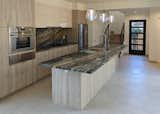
point(154, 34)
point(119, 19)
point(152, 15)
point(95, 32)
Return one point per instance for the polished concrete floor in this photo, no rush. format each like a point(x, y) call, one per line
point(133, 89)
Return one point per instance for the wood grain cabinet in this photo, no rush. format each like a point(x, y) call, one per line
point(40, 72)
point(78, 17)
point(18, 76)
point(12, 77)
point(16, 13)
point(4, 63)
point(25, 8)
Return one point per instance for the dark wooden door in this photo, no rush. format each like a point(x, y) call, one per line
point(137, 40)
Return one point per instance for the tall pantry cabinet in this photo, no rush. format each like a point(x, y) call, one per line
point(14, 13)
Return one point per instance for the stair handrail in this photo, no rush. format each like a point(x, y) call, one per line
point(122, 34)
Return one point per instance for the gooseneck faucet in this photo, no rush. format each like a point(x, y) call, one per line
point(106, 37)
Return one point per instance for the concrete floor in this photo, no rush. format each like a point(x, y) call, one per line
point(134, 89)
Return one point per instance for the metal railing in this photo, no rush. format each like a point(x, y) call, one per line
point(122, 34)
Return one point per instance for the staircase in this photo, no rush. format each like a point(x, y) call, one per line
point(117, 38)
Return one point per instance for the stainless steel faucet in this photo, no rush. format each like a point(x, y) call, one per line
point(106, 38)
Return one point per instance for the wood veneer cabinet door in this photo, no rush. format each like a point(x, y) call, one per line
point(52, 53)
point(21, 75)
point(28, 72)
point(74, 48)
point(16, 13)
point(78, 17)
point(8, 13)
point(3, 13)
point(25, 12)
point(4, 62)
point(41, 72)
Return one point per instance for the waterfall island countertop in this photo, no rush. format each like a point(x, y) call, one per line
point(78, 77)
point(86, 61)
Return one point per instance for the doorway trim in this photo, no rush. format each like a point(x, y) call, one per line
point(137, 52)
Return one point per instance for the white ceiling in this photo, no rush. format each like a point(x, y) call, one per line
point(134, 11)
point(99, 1)
point(90, 1)
point(127, 11)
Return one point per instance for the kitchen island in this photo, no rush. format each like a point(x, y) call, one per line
point(77, 78)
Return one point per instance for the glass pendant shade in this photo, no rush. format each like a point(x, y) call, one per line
point(111, 18)
point(91, 15)
point(103, 17)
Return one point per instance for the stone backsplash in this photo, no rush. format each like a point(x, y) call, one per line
point(50, 37)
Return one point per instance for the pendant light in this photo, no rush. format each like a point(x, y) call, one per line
point(103, 17)
point(91, 15)
point(111, 17)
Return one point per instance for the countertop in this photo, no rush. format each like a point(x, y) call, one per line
point(86, 61)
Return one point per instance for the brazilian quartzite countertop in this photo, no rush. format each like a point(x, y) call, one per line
point(86, 61)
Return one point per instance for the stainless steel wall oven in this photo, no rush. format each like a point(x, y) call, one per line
point(22, 41)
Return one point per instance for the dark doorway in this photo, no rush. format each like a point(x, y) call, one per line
point(137, 40)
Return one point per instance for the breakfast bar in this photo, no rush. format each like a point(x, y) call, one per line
point(77, 78)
